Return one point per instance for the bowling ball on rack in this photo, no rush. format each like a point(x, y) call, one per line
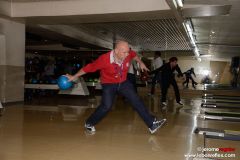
point(63, 83)
point(53, 81)
point(34, 81)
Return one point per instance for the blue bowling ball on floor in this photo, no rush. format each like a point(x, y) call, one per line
point(63, 83)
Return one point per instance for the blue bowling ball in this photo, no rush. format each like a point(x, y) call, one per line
point(53, 81)
point(34, 81)
point(63, 83)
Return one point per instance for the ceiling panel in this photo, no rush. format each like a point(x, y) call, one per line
point(218, 35)
point(151, 35)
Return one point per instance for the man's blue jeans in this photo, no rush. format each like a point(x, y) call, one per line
point(127, 90)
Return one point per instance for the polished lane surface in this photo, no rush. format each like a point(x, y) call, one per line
point(57, 133)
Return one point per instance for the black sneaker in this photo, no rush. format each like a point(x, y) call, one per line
point(156, 120)
point(180, 103)
point(90, 128)
point(156, 125)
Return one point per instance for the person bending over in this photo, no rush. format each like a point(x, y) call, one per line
point(188, 75)
point(168, 77)
point(113, 68)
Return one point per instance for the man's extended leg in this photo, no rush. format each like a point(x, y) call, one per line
point(108, 94)
point(126, 89)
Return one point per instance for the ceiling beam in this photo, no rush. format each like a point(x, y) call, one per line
point(206, 11)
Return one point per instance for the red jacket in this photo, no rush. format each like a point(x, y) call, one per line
point(110, 72)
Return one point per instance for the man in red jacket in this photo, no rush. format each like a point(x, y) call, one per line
point(113, 68)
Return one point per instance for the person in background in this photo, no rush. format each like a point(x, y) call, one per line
point(49, 71)
point(168, 77)
point(157, 63)
point(113, 68)
point(188, 75)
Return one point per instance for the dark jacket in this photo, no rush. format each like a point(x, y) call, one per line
point(167, 73)
point(189, 72)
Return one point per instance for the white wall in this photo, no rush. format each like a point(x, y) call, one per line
point(12, 60)
point(200, 68)
point(14, 33)
point(2, 50)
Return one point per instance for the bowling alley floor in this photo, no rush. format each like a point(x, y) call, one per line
point(43, 131)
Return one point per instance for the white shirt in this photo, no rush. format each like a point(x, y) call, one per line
point(133, 67)
point(158, 62)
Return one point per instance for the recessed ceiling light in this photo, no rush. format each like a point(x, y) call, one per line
point(206, 55)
